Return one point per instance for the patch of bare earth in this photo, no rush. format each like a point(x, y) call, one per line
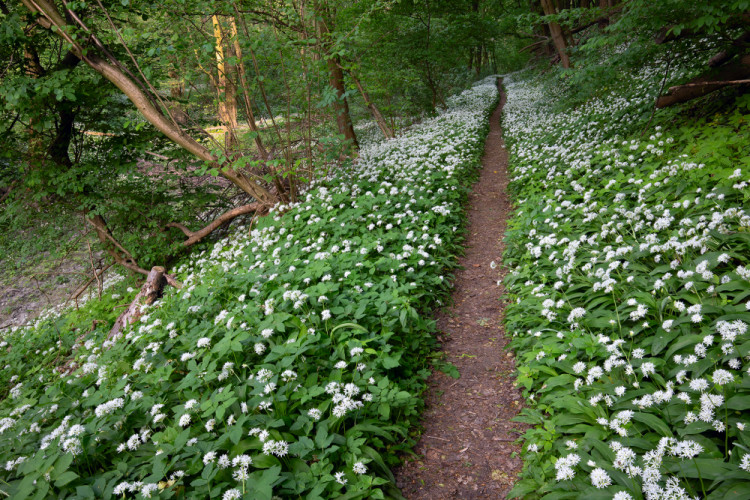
point(467, 448)
point(48, 281)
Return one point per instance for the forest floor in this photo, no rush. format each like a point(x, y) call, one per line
point(46, 280)
point(467, 450)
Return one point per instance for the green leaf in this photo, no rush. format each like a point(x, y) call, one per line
point(653, 423)
point(449, 369)
point(65, 478)
point(738, 402)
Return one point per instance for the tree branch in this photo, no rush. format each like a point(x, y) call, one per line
point(52, 18)
point(196, 236)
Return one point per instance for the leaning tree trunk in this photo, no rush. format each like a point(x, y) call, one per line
point(558, 37)
point(382, 124)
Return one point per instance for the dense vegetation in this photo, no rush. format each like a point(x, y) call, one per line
point(290, 362)
point(300, 171)
point(630, 253)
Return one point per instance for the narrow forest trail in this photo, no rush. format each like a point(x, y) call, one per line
point(465, 451)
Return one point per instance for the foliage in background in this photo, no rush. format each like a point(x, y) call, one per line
point(217, 70)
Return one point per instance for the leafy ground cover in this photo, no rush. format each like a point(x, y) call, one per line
point(630, 257)
point(290, 364)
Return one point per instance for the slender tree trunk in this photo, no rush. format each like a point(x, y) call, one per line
point(336, 80)
point(604, 5)
point(341, 106)
point(225, 87)
point(58, 148)
point(558, 37)
point(382, 124)
point(33, 68)
point(246, 93)
point(477, 50)
point(177, 90)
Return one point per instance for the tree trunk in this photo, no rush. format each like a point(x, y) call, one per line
point(373, 109)
point(177, 90)
point(558, 37)
point(33, 68)
point(246, 91)
point(604, 5)
point(335, 78)
point(225, 86)
point(149, 293)
point(341, 106)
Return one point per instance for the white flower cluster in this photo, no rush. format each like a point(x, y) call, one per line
point(197, 368)
point(630, 280)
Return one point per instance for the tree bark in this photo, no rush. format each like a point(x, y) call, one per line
point(341, 106)
point(382, 124)
point(336, 80)
point(177, 90)
point(558, 37)
point(33, 68)
point(149, 293)
point(603, 21)
point(227, 95)
point(739, 45)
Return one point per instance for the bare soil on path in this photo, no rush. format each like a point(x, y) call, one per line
point(467, 448)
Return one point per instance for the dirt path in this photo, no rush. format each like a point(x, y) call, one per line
point(465, 451)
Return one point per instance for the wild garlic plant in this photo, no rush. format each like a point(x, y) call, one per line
point(630, 257)
point(290, 364)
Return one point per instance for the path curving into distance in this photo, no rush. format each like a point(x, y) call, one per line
point(466, 449)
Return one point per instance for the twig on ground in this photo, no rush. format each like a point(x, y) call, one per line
point(435, 437)
point(93, 268)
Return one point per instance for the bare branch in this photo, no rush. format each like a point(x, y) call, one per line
point(196, 236)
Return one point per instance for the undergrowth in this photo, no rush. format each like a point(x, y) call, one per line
point(630, 258)
point(290, 364)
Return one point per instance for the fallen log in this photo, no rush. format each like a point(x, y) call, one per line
point(739, 45)
point(149, 293)
point(736, 73)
